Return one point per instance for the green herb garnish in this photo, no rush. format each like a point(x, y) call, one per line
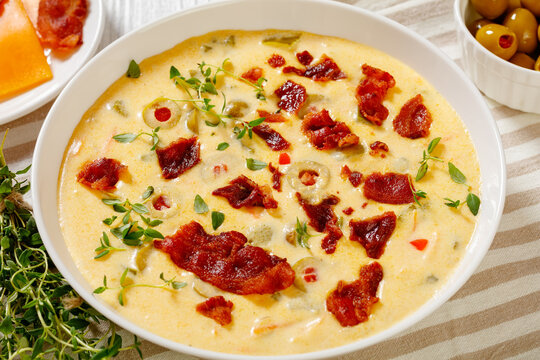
point(133, 71)
point(302, 235)
point(456, 175)
point(222, 146)
point(129, 137)
point(426, 156)
point(147, 193)
point(473, 202)
point(248, 127)
point(253, 164)
point(217, 219)
point(199, 205)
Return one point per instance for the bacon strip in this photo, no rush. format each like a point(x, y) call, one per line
point(323, 219)
point(378, 148)
point(253, 74)
point(389, 188)
point(178, 157)
point(273, 139)
point(276, 61)
point(291, 96)
point(324, 133)
point(217, 309)
point(60, 23)
point(271, 117)
point(351, 303)
point(245, 192)
point(414, 119)
point(226, 262)
point(324, 70)
point(355, 177)
point(373, 233)
point(304, 57)
point(101, 174)
point(371, 92)
point(276, 177)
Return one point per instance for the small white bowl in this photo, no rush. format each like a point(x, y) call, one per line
point(509, 84)
point(317, 16)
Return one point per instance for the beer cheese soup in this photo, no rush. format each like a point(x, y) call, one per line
point(268, 192)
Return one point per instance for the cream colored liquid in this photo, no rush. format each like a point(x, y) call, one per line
point(293, 321)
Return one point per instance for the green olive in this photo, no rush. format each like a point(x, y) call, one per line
point(532, 5)
point(523, 60)
point(490, 9)
point(523, 23)
point(537, 64)
point(161, 112)
point(513, 4)
point(498, 39)
point(477, 24)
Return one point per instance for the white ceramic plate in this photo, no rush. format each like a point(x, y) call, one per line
point(317, 16)
point(63, 69)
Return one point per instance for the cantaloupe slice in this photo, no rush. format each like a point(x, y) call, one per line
point(22, 62)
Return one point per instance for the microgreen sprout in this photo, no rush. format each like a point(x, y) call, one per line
point(302, 235)
point(129, 137)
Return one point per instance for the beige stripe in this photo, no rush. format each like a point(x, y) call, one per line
point(417, 340)
point(522, 199)
point(502, 112)
point(498, 275)
point(521, 136)
point(505, 349)
point(524, 166)
point(20, 152)
point(147, 348)
point(443, 39)
point(518, 236)
point(412, 15)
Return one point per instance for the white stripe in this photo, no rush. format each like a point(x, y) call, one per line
point(507, 255)
point(22, 134)
point(522, 151)
point(523, 183)
point(520, 218)
point(517, 122)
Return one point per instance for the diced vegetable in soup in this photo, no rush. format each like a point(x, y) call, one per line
point(252, 192)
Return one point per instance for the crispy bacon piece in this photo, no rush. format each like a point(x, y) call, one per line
point(217, 309)
point(355, 177)
point(291, 96)
point(371, 92)
point(226, 262)
point(324, 133)
point(162, 202)
point(273, 139)
point(276, 177)
point(351, 303)
point(373, 233)
point(348, 211)
point(101, 174)
point(324, 70)
point(271, 117)
point(389, 188)
point(178, 157)
point(308, 177)
point(323, 219)
point(245, 192)
point(414, 119)
point(378, 148)
point(60, 23)
point(304, 57)
point(276, 61)
point(253, 74)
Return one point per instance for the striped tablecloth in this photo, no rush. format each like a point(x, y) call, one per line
point(496, 315)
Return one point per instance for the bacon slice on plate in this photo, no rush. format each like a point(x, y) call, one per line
point(389, 188)
point(217, 309)
point(351, 303)
point(291, 96)
point(178, 157)
point(414, 119)
point(324, 133)
point(373, 233)
point(323, 70)
point(101, 174)
point(276, 177)
point(225, 261)
point(243, 191)
point(60, 23)
point(323, 219)
point(371, 92)
point(273, 139)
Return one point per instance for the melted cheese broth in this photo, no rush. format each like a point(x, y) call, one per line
point(291, 321)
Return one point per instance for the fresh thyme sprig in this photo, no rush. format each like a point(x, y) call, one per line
point(417, 194)
point(129, 137)
point(247, 127)
point(302, 235)
point(426, 156)
point(127, 283)
point(41, 316)
point(105, 248)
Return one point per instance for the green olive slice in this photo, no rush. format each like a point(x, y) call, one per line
point(161, 112)
point(306, 271)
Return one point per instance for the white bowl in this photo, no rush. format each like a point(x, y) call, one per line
point(509, 84)
point(329, 18)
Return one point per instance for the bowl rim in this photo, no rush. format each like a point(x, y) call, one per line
point(448, 290)
point(458, 15)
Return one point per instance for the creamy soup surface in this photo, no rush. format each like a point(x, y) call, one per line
point(294, 320)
